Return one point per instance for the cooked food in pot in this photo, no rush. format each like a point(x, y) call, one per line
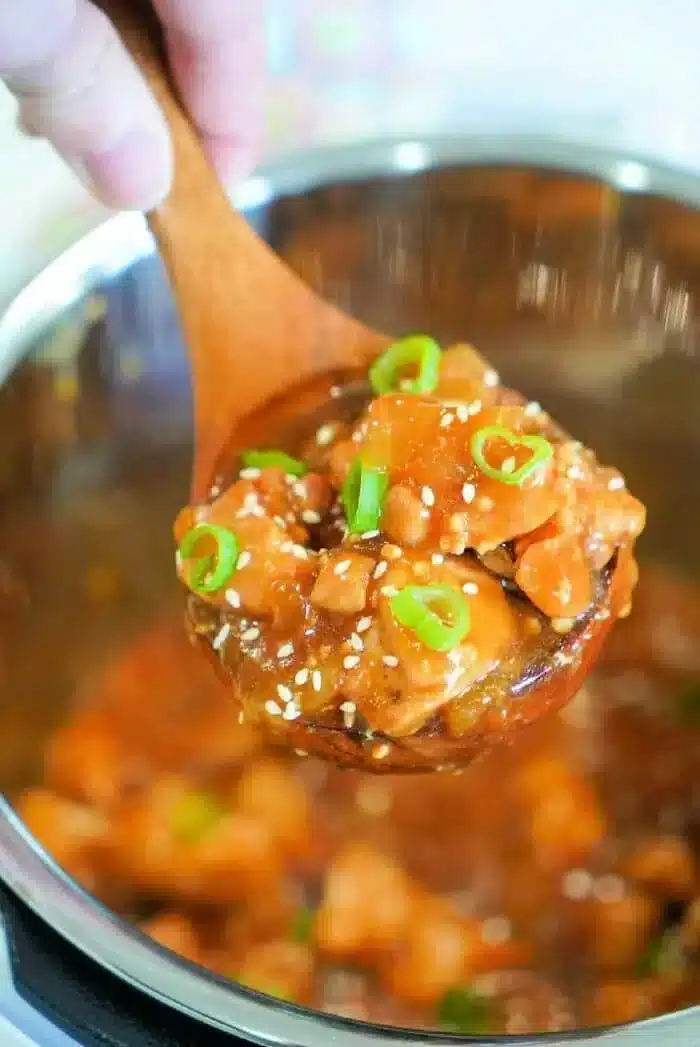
point(395, 592)
point(552, 884)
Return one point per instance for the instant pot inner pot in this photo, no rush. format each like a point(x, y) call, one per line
point(583, 297)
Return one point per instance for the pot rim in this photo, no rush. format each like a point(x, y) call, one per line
point(110, 248)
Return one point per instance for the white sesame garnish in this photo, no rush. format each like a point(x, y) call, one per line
point(470, 588)
point(468, 493)
point(243, 560)
point(325, 435)
point(272, 708)
point(214, 491)
point(533, 408)
point(250, 501)
point(286, 547)
point(389, 551)
point(233, 598)
point(299, 489)
point(381, 751)
point(348, 710)
point(222, 636)
point(608, 889)
point(474, 407)
point(250, 634)
point(508, 465)
point(280, 521)
point(316, 679)
point(301, 677)
point(342, 568)
point(381, 568)
point(389, 590)
point(335, 392)
point(463, 413)
point(356, 643)
point(284, 693)
point(310, 516)
point(291, 711)
point(250, 474)
point(491, 379)
point(241, 716)
point(369, 534)
point(437, 559)
point(447, 419)
point(427, 496)
point(363, 624)
point(617, 483)
point(577, 884)
point(351, 661)
point(285, 651)
point(496, 930)
point(299, 551)
point(562, 626)
point(391, 661)
point(485, 503)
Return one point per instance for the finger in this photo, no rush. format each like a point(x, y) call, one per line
point(217, 53)
point(77, 86)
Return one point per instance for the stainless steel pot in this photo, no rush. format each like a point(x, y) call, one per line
point(583, 289)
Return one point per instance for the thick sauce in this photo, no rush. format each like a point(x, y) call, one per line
point(553, 884)
point(397, 578)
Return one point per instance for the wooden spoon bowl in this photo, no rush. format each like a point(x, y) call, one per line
point(254, 329)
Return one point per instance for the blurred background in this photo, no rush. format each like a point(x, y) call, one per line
point(621, 74)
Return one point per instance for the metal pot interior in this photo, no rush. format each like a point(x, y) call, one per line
point(583, 295)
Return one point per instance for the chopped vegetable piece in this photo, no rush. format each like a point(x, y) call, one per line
point(689, 705)
point(419, 353)
point(278, 459)
point(664, 955)
point(443, 631)
point(541, 450)
point(194, 816)
point(363, 494)
point(464, 1011)
point(208, 572)
point(302, 925)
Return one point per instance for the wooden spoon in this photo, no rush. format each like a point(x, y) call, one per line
point(254, 329)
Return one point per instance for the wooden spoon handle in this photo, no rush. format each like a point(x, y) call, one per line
point(252, 327)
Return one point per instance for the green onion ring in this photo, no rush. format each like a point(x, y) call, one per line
point(437, 614)
point(208, 573)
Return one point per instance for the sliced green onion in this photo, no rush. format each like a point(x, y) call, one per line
point(194, 816)
point(302, 925)
point(541, 450)
point(417, 353)
point(438, 614)
point(209, 572)
point(664, 955)
point(363, 494)
point(279, 459)
point(464, 1011)
point(689, 705)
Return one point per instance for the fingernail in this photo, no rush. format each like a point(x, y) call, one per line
point(232, 160)
point(136, 173)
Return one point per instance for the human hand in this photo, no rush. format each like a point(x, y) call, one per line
point(77, 86)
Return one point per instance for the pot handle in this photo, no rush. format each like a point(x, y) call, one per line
point(58, 997)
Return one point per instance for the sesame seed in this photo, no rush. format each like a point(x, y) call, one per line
point(250, 474)
point(380, 752)
point(214, 490)
point(279, 520)
point(463, 413)
point(485, 503)
point(310, 516)
point(316, 679)
point(391, 552)
point(474, 407)
point(284, 693)
point(272, 708)
point(348, 709)
point(351, 661)
point(325, 435)
point(299, 489)
point(241, 716)
point(533, 408)
point(222, 636)
point(508, 465)
point(496, 930)
point(291, 712)
point(363, 625)
point(577, 884)
point(491, 379)
point(335, 392)
point(562, 625)
point(427, 496)
point(437, 559)
point(243, 560)
point(342, 568)
point(369, 534)
point(286, 547)
point(250, 634)
point(356, 643)
point(391, 661)
point(447, 420)
point(286, 650)
point(470, 588)
point(468, 493)
point(299, 552)
point(302, 677)
point(389, 590)
point(301, 752)
point(250, 501)
point(617, 483)
point(380, 569)
point(609, 889)
point(233, 598)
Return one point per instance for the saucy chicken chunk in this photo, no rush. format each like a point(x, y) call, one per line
point(389, 588)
